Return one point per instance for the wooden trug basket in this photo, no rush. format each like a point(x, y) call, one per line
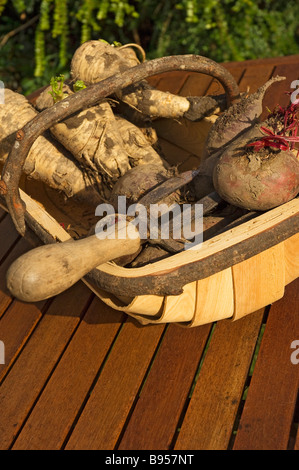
point(231, 275)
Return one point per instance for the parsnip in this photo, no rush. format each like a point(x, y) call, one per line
point(46, 161)
point(109, 145)
point(94, 61)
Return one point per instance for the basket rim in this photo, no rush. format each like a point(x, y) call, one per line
point(170, 281)
point(238, 244)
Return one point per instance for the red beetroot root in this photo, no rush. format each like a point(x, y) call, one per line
point(257, 180)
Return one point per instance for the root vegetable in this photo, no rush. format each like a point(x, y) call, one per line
point(96, 60)
point(260, 169)
point(257, 181)
point(88, 97)
point(106, 144)
point(46, 161)
point(140, 180)
point(237, 119)
point(138, 143)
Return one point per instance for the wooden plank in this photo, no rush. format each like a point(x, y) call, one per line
point(8, 235)
point(210, 417)
point(30, 372)
point(215, 87)
point(267, 416)
point(16, 326)
point(255, 77)
point(68, 387)
point(171, 81)
point(291, 59)
point(107, 409)
point(2, 213)
point(21, 247)
point(155, 418)
point(196, 84)
point(276, 94)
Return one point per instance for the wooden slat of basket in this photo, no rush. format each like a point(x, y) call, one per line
point(30, 372)
point(157, 413)
point(291, 250)
point(216, 254)
point(215, 298)
point(183, 136)
point(201, 302)
point(179, 157)
point(211, 413)
point(150, 306)
point(259, 281)
point(180, 308)
point(50, 421)
point(44, 219)
point(20, 248)
point(187, 135)
point(115, 391)
point(269, 407)
point(16, 326)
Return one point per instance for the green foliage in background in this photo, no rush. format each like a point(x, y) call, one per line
point(38, 37)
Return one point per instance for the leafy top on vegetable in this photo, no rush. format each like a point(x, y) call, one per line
point(113, 44)
point(56, 84)
point(79, 85)
point(284, 122)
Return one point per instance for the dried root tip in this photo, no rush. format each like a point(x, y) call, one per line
point(239, 117)
point(201, 107)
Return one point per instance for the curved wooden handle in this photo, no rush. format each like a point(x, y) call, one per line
point(51, 269)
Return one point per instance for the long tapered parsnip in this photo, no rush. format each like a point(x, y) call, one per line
point(94, 61)
point(45, 161)
point(106, 144)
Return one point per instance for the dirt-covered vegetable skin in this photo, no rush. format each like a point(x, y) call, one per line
point(255, 181)
point(46, 161)
point(106, 145)
point(96, 60)
point(258, 169)
point(240, 117)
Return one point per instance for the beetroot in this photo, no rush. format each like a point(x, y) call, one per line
point(259, 169)
point(257, 180)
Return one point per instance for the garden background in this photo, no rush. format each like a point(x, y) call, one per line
point(39, 37)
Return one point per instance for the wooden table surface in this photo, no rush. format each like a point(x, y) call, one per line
point(79, 375)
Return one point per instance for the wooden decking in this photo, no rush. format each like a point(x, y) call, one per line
point(78, 375)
